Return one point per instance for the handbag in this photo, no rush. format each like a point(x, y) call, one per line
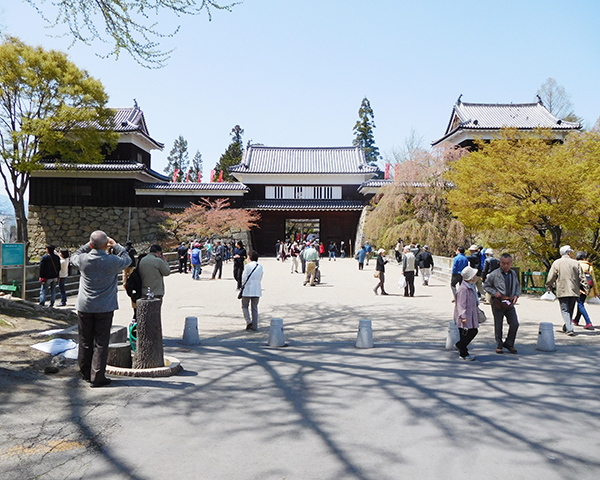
point(503, 303)
point(241, 294)
point(402, 282)
point(548, 296)
point(481, 315)
point(377, 274)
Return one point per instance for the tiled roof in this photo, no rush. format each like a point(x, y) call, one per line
point(336, 205)
point(303, 160)
point(376, 183)
point(103, 167)
point(219, 186)
point(494, 116)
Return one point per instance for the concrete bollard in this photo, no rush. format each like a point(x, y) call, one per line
point(276, 335)
point(453, 336)
point(190, 331)
point(545, 341)
point(365, 334)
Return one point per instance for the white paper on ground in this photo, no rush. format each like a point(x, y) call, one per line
point(55, 346)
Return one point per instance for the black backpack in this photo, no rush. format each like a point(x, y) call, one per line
point(133, 287)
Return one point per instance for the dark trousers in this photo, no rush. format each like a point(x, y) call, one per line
point(409, 289)
point(218, 268)
point(94, 336)
point(381, 282)
point(238, 270)
point(183, 265)
point(456, 280)
point(465, 339)
point(513, 326)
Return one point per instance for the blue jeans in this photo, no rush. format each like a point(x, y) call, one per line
point(331, 255)
point(51, 283)
point(581, 310)
point(195, 272)
point(62, 282)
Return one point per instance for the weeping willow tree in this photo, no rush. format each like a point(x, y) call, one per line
point(414, 206)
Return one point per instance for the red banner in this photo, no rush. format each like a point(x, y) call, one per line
point(187, 177)
point(212, 175)
point(221, 176)
point(397, 171)
point(199, 177)
point(175, 175)
point(387, 171)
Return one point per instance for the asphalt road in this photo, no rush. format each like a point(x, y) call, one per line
point(319, 408)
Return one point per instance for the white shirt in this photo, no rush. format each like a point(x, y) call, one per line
point(252, 286)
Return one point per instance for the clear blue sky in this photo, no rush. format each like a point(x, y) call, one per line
point(293, 73)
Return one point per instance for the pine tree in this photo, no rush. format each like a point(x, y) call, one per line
point(178, 159)
point(232, 156)
point(363, 131)
point(195, 167)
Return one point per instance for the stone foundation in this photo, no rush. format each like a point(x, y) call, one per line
point(70, 227)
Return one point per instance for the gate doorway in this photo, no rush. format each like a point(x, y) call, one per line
point(302, 229)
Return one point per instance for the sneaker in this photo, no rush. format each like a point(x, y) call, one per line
point(564, 329)
point(468, 358)
point(589, 326)
point(499, 350)
point(511, 349)
point(571, 334)
point(575, 322)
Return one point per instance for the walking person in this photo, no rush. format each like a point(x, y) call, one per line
point(219, 254)
point(588, 271)
point(62, 276)
point(458, 264)
point(294, 252)
point(408, 270)
point(466, 314)
point(96, 302)
point(251, 291)
point(239, 257)
point(49, 271)
point(380, 271)
point(425, 262)
point(331, 250)
point(360, 256)
point(369, 251)
point(567, 276)
point(504, 289)
point(312, 257)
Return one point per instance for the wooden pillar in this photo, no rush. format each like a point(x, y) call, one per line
point(149, 349)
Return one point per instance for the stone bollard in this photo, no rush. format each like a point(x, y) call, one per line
point(453, 336)
point(149, 349)
point(190, 331)
point(276, 335)
point(364, 338)
point(545, 341)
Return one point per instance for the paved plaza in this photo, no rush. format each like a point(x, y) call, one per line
point(319, 408)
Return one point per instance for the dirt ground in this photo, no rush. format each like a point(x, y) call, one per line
point(21, 324)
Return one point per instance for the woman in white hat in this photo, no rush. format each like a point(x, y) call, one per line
point(465, 312)
point(380, 271)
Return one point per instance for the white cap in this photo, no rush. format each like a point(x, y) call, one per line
point(565, 250)
point(468, 273)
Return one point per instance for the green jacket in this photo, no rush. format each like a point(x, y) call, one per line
point(152, 271)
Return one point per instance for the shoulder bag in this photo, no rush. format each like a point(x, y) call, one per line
point(241, 294)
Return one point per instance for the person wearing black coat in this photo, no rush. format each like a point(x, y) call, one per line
point(239, 257)
point(49, 271)
point(425, 261)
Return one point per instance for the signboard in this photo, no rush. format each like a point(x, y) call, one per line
point(12, 254)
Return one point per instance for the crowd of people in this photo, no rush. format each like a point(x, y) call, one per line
point(476, 278)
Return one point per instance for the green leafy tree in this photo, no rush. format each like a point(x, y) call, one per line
point(195, 166)
point(178, 159)
point(542, 193)
point(49, 108)
point(232, 156)
point(363, 132)
point(125, 24)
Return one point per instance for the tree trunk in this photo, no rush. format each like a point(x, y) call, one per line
point(119, 355)
point(149, 349)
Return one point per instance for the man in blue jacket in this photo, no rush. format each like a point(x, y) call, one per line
point(459, 263)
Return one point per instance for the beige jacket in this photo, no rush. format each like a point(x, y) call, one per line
point(587, 268)
point(568, 277)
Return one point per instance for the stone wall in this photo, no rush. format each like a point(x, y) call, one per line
point(70, 227)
